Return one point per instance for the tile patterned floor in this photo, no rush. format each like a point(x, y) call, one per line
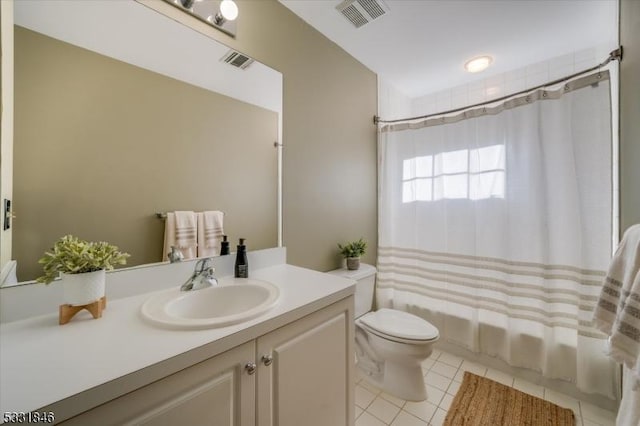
point(443, 373)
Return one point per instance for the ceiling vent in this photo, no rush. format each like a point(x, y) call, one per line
point(361, 12)
point(237, 59)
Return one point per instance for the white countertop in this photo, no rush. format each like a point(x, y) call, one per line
point(42, 362)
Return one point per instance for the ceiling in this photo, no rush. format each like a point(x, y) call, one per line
point(112, 28)
point(420, 46)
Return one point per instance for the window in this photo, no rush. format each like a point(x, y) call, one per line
point(473, 174)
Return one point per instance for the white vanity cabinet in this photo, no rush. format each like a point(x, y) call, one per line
point(304, 375)
point(305, 371)
point(218, 391)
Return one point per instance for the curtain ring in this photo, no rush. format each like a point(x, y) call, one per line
point(528, 99)
point(484, 110)
point(566, 87)
point(544, 93)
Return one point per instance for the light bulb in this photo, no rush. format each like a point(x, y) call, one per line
point(478, 64)
point(229, 10)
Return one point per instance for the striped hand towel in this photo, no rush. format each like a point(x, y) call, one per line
point(186, 226)
point(210, 233)
point(618, 310)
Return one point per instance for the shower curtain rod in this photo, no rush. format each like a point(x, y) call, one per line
point(615, 55)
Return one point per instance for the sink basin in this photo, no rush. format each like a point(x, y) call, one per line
point(232, 301)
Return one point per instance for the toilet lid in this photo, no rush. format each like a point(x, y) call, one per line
point(398, 324)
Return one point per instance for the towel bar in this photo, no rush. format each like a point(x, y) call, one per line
point(163, 215)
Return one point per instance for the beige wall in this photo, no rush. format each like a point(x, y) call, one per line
point(630, 113)
point(101, 145)
point(329, 190)
point(6, 121)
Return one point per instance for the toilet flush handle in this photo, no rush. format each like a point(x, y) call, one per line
point(267, 359)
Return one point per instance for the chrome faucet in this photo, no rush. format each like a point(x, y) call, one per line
point(202, 277)
point(175, 255)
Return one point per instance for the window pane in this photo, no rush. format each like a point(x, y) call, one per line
point(452, 162)
point(424, 189)
point(408, 169)
point(408, 191)
point(450, 186)
point(487, 158)
point(424, 166)
point(487, 185)
point(455, 186)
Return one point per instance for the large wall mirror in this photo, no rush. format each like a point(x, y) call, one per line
point(121, 113)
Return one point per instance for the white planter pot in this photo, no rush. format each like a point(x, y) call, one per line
point(82, 289)
point(353, 263)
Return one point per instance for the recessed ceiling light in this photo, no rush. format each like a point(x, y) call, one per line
point(478, 64)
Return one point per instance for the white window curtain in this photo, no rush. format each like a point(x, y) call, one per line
point(495, 225)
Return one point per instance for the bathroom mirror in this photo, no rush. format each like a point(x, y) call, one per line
point(122, 113)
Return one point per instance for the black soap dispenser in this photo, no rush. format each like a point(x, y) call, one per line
point(224, 246)
point(242, 264)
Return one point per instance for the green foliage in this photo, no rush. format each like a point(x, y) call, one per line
point(353, 249)
point(74, 256)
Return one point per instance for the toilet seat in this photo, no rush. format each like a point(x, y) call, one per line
point(399, 326)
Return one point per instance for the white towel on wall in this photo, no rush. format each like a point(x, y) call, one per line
point(618, 311)
point(186, 245)
point(210, 231)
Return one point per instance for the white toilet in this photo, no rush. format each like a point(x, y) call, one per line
point(390, 344)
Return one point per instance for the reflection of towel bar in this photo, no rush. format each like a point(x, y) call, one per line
point(163, 215)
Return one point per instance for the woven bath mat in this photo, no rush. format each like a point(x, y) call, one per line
point(483, 402)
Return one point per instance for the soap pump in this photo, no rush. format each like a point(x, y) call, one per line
point(242, 264)
point(224, 246)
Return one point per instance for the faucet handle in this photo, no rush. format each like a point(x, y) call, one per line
point(202, 265)
point(175, 255)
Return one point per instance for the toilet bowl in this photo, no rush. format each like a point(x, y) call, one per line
point(390, 344)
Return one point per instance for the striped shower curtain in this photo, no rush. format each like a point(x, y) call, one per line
point(495, 225)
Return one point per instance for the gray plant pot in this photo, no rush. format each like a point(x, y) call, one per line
point(353, 263)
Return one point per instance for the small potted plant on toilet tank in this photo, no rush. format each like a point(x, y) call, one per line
point(352, 252)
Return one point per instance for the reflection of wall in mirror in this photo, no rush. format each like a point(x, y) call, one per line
point(101, 145)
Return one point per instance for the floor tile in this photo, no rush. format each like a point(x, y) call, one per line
point(358, 411)
point(587, 422)
point(444, 369)
point(446, 401)
point(596, 414)
point(406, 419)
point(435, 354)
point(499, 376)
point(562, 400)
point(370, 387)
point(528, 387)
point(383, 410)
point(452, 360)
point(438, 418)
point(393, 399)
point(427, 364)
point(434, 395)
point(453, 388)
point(473, 367)
point(367, 419)
point(423, 410)
point(437, 381)
point(363, 397)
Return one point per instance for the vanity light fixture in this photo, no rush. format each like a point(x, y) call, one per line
point(219, 14)
point(477, 64)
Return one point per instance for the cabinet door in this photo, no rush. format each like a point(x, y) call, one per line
point(309, 379)
point(216, 392)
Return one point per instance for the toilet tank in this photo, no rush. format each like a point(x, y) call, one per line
point(365, 278)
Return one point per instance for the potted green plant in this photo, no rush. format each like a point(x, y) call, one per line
point(352, 252)
point(82, 265)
